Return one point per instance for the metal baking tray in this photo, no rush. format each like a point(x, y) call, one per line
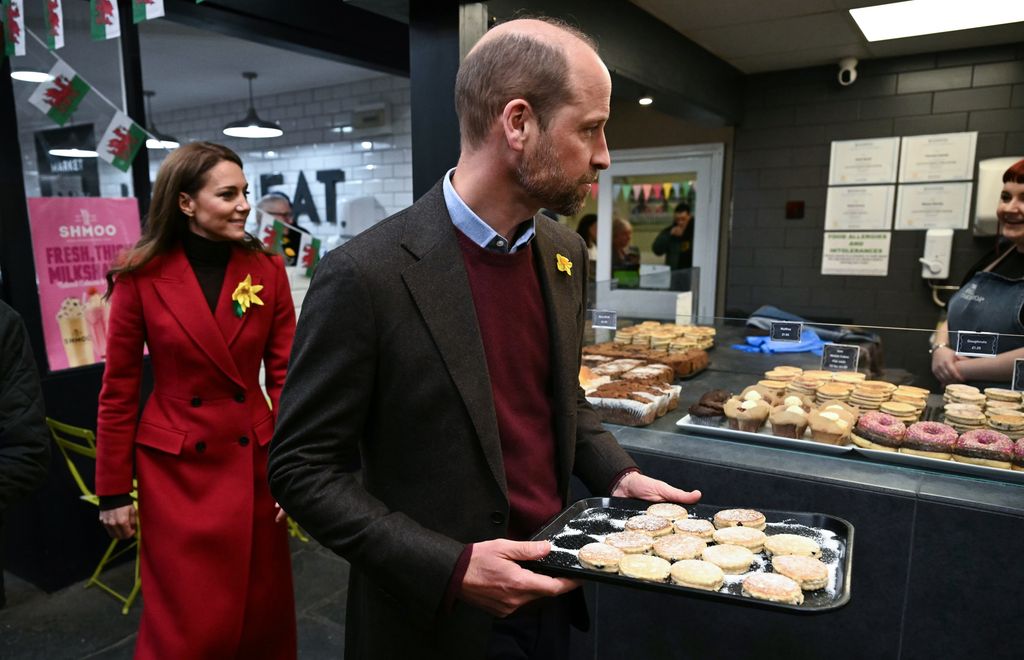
point(945, 465)
point(764, 437)
point(593, 518)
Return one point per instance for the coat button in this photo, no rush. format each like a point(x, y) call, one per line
point(498, 518)
point(240, 397)
point(196, 402)
point(244, 441)
point(200, 446)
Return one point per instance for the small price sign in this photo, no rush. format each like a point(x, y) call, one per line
point(840, 357)
point(604, 318)
point(786, 331)
point(977, 344)
point(1018, 374)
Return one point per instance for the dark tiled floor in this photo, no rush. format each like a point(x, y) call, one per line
point(77, 623)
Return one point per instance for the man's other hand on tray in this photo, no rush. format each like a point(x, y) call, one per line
point(641, 487)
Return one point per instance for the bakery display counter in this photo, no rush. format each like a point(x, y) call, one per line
point(927, 543)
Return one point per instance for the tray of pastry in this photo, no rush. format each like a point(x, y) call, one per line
point(764, 437)
point(800, 562)
point(943, 464)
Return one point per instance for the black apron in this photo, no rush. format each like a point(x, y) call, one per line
point(989, 302)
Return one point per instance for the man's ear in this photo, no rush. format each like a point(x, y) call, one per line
point(518, 123)
point(186, 204)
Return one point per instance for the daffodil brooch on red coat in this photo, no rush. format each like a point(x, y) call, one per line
point(245, 296)
point(564, 265)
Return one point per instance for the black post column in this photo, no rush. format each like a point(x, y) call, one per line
point(135, 102)
point(433, 63)
point(17, 272)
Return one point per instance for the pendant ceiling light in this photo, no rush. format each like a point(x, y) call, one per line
point(156, 140)
point(30, 75)
point(251, 126)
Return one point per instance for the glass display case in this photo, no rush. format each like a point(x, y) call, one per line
point(862, 391)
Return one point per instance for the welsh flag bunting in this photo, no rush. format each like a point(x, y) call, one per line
point(53, 12)
point(121, 141)
point(272, 236)
point(59, 98)
point(309, 254)
point(144, 10)
point(14, 27)
point(104, 19)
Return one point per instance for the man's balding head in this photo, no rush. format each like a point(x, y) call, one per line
point(521, 59)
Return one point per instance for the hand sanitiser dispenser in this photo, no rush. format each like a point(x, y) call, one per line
point(938, 248)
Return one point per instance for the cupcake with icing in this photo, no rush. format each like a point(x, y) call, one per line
point(788, 421)
point(746, 414)
point(829, 427)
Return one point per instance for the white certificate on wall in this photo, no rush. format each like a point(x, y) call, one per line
point(855, 162)
point(933, 206)
point(859, 207)
point(856, 253)
point(941, 157)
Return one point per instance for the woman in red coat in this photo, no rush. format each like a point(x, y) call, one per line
point(211, 305)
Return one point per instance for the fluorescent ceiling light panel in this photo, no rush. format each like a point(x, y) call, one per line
point(916, 17)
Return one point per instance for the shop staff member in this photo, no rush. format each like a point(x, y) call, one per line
point(444, 354)
point(24, 440)
point(676, 241)
point(991, 299)
point(212, 306)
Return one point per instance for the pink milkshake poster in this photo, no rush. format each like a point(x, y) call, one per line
point(74, 241)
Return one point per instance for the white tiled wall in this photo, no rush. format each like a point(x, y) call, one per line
point(309, 144)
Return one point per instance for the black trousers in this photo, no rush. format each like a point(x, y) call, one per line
point(537, 631)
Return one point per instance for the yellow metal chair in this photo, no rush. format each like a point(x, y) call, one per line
point(72, 440)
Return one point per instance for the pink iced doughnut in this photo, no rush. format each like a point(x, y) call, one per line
point(879, 429)
point(1018, 455)
point(931, 436)
point(988, 448)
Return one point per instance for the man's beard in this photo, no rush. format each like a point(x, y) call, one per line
point(541, 175)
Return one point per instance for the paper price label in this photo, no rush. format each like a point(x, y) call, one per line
point(840, 357)
point(786, 331)
point(977, 344)
point(603, 318)
point(1018, 375)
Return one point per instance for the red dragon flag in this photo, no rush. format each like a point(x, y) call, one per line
point(104, 20)
point(121, 141)
point(14, 27)
point(53, 13)
point(59, 97)
point(144, 10)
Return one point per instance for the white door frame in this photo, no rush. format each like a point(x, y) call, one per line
point(707, 160)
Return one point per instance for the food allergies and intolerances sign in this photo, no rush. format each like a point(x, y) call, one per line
point(74, 242)
point(856, 253)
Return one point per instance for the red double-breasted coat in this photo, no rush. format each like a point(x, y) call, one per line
point(216, 571)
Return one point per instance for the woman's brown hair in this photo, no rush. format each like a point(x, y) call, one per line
point(183, 171)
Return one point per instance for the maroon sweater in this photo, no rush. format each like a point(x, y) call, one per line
point(514, 328)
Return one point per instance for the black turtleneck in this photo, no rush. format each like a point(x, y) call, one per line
point(209, 260)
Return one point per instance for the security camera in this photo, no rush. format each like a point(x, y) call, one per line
point(847, 71)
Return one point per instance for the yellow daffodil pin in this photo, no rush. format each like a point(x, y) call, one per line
point(245, 296)
point(564, 265)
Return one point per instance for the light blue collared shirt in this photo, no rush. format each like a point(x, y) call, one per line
point(478, 231)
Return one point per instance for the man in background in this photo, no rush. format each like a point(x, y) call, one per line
point(277, 206)
point(675, 242)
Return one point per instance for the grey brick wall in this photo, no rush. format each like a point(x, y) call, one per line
point(782, 153)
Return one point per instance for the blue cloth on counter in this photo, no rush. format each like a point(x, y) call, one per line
point(809, 342)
